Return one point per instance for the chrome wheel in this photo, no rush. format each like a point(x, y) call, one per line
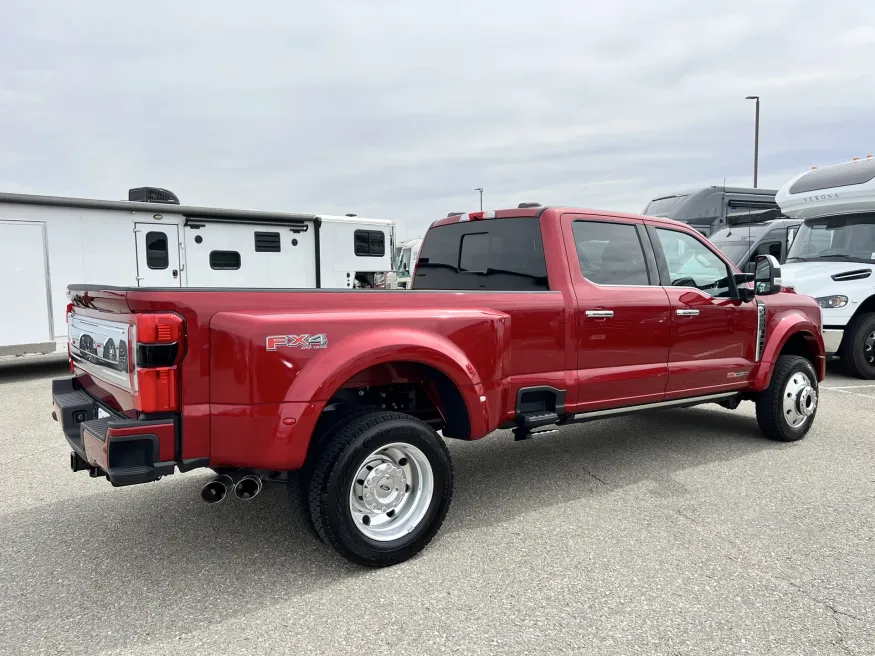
point(869, 349)
point(391, 492)
point(799, 399)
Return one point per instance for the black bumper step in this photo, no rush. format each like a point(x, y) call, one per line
point(530, 420)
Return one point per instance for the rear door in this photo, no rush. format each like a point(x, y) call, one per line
point(713, 336)
point(622, 319)
point(25, 288)
point(157, 255)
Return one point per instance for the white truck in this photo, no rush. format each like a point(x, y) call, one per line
point(405, 263)
point(832, 257)
point(150, 240)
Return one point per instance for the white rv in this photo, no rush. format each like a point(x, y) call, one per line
point(47, 243)
point(832, 257)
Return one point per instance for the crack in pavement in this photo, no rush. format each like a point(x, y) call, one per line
point(834, 612)
point(587, 471)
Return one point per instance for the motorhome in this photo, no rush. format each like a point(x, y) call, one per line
point(150, 240)
point(743, 242)
point(711, 208)
point(832, 257)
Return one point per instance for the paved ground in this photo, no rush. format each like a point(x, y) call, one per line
point(681, 532)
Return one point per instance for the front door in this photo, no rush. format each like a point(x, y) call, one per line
point(157, 255)
point(622, 317)
point(713, 340)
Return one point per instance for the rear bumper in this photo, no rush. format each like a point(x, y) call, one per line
point(126, 451)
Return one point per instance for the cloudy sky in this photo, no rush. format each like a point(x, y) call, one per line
point(399, 109)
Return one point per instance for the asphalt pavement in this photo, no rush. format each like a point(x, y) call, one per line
point(677, 532)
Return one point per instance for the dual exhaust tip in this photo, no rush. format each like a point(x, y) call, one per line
point(245, 488)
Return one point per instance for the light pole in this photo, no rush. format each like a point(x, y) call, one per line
point(756, 140)
point(480, 189)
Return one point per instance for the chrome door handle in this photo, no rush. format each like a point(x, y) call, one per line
point(687, 313)
point(599, 314)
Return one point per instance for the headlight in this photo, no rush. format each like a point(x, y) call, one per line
point(832, 301)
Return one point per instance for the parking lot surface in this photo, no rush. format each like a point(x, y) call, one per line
point(677, 532)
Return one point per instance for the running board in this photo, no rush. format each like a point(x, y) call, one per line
point(687, 402)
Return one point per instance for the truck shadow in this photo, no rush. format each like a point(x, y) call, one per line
point(32, 368)
point(157, 551)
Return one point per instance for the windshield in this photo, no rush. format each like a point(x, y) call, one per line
point(850, 238)
point(735, 250)
point(660, 206)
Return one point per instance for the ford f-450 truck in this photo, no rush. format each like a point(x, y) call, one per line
point(529, 318)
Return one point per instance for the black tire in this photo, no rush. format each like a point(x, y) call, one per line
point(338, 461)
point(771, 415)
point(298, 482)
point(857, 347)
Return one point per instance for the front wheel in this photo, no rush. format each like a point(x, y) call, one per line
point(858, 347)
point(380, 488)
point(785, 411)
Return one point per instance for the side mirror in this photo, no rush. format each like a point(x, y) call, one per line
point(767, 276)
point(750, 268)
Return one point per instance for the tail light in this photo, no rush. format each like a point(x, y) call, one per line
point(69, 355)
point(154, 349)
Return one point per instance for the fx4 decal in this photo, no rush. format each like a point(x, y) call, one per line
point(297, 341)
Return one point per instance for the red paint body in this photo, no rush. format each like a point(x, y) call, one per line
point(245, 405)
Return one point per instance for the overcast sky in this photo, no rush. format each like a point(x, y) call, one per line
point(398, 109)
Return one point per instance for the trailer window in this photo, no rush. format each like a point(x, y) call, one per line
point(224, 260)
point(495, 254)
point(156, 250)
point(370, 243)
point(267, 242)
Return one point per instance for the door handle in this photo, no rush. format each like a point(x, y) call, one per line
point(687, 313)
point(600, 314)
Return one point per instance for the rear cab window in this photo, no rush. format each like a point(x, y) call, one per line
point(504, 254)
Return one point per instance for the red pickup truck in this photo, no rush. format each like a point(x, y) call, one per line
point(526, 318)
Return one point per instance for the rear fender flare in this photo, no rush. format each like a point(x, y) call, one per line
point(325, 374)
point(776, 338)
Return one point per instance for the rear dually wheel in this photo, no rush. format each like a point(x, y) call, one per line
point(380, 487)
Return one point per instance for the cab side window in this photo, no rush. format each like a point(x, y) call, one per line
point(610, 253)
point(692, 264)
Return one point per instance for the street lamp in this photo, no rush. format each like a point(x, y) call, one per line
point(480, 189)
point(756, 140)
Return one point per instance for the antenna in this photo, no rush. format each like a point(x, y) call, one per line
point(749, 237)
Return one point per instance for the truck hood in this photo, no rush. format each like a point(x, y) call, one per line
point(815, 278)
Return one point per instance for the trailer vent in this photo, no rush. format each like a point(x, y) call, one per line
point(524, 206)
point(152, 195)
point(267, 242)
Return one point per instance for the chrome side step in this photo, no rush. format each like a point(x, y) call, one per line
point(687, 402)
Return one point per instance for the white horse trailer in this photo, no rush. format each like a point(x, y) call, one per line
point(48, 242)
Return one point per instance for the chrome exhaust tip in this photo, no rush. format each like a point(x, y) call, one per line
point(248, 487)
point(217, 489)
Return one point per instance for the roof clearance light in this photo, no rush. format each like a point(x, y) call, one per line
point(477, 216)
point(856, 159)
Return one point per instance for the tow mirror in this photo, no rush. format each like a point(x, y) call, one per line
point(750, 268)
point(767, 275)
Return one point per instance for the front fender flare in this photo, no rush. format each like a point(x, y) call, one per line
point(788, 325)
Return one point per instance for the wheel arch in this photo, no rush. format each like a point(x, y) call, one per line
point(792, 334)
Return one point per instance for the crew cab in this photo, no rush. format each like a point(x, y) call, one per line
point(529, 318)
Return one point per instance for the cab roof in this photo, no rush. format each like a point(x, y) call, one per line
point(550, 213)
